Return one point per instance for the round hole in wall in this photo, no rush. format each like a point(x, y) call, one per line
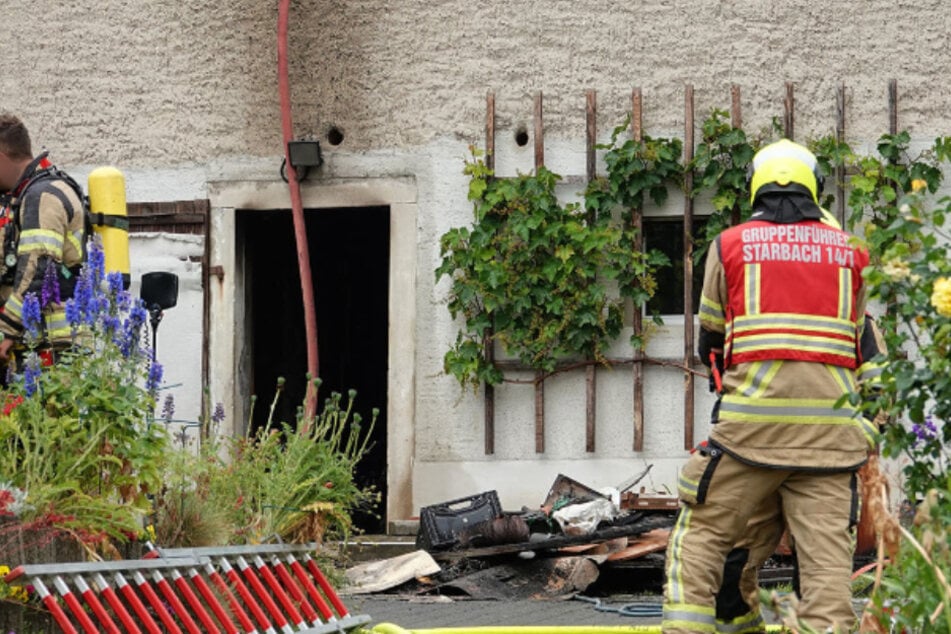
point(334, 136)
point(521, 137)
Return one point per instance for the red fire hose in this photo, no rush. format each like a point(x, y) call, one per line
point(297, 211)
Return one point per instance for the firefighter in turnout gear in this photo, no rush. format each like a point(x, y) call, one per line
point(782, 311)
point(738, 599)
point(44, 233)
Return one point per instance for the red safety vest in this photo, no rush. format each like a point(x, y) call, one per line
point(791, 293)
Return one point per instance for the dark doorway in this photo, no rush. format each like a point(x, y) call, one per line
point(349, 256)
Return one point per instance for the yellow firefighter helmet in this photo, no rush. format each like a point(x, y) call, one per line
point(785, 166)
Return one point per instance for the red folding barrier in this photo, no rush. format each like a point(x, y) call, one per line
point(193, 591)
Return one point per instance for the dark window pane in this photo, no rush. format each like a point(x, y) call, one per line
point(667, 235)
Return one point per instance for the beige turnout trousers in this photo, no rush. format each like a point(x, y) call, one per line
point(719, 495)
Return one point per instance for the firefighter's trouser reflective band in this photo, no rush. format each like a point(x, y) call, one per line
point(752, 622)
point(696, 618)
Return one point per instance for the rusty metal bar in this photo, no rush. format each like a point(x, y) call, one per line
point(789, 106)
point(893, 106)
point(539, 376)
point(637, 222)
point(688, 268)
point(591, 169)
point(487, 341)
point(736, 120)
point(840, 169)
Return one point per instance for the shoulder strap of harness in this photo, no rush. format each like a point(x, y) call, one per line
point(53, 172)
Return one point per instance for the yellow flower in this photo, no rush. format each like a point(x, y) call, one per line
point(918, 184)
point(941, 296)
point(896, 270)
point(17, 593)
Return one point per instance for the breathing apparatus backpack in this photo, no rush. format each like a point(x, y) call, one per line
point(104, 212)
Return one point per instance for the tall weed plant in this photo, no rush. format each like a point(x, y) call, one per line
point(289, 481)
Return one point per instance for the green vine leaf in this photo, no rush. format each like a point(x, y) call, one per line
point(530, 273)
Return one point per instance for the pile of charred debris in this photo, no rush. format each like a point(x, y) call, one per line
point(471, 548)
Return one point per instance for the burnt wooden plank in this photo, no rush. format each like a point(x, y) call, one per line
point(183, 216)
point(605, 534)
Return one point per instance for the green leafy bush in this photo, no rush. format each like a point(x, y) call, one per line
point(533, 274)
point(76, 436)
point(910, 274)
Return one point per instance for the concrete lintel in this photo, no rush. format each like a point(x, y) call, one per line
point(324, 194)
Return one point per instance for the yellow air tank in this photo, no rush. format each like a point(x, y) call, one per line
point(107, 210)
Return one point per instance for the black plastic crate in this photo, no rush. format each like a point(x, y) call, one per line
point(441, 524)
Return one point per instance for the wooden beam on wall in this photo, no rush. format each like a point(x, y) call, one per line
point(637, 221)
point(539, 376)
point(688, 268)
point(591, 173)
point(893, 106)
point(489, 393)
point(789, 109)
point(840, 169)
point(736, 120)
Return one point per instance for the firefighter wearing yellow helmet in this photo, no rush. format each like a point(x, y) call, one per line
point(782, 311)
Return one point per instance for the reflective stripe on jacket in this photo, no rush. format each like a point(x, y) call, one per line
point(51, 221)
point(783, 412)
point(791, 293)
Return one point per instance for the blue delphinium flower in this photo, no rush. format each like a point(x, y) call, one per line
point(168, 408)
point(114, 279)
point(96, 261)
point(219, 414)
point(77, 308)
point(49, 294)
point(926, 432)
point(155, 377)
point(111, 324)
point(88, 301)
point(123, 301)
point(32, 316)
point(32, 369)
point(73, 313)
point(129, 335)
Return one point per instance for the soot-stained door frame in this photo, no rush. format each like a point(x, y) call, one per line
point(230, 361)
point(349, 253)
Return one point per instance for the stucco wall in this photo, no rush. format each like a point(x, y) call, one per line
point(180, 95)
point(170, 82)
